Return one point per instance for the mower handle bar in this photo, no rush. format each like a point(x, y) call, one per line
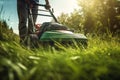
point(43, 5)
point(49, 10)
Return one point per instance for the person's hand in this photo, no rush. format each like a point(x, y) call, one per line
point(47, 6)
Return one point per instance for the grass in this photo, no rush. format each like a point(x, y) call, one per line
point(100, 61)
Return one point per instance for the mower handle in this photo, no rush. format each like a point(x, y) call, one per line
point(43, 5)
point(49, 10)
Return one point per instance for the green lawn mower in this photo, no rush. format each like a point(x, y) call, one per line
point(51, 33)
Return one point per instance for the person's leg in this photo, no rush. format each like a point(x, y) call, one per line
point(34, 17)
point(35, 11)
point(22, 16)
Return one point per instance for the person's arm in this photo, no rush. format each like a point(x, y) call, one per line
point(47, 4)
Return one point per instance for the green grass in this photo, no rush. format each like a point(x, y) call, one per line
point(100, 61)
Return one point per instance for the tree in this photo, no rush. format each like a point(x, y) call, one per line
point(94, 16)
point(73, 20)
point(100, 15)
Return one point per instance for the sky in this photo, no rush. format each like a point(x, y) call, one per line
point(9, 12)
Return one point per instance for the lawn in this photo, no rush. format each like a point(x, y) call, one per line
point(99, 61)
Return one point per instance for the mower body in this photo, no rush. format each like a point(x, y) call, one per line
point(54, 32)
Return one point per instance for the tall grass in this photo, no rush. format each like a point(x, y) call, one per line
point(100, 61)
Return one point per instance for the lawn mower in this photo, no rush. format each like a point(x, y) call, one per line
point(54, 32)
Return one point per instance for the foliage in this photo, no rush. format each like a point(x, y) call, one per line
point(96, 16)
point(73, 20)
point(100, 14)
point(7, 34)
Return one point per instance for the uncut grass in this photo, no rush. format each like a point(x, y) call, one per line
point(99, 61)
point(96, 62)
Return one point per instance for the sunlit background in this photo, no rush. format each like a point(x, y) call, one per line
point(9, 11)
